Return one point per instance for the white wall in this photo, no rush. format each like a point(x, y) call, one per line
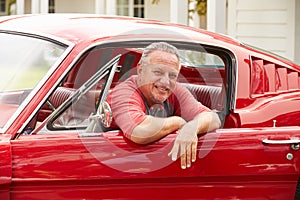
point(175, 11)
point(160, 11)
point(268, 24)
point(75, 6)
point(27, 7)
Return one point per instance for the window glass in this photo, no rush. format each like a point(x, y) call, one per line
point(24, 62)
point(123, 7)
point(138, 8)
point(51, 6)
point(2, 6)
point(133, 8)
point(196, 58)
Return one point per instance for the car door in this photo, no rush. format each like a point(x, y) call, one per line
point(238, 163)
point(5, 166)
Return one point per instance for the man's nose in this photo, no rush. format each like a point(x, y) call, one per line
point(165, 79)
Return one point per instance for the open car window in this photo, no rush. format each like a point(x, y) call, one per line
point(72, 104)
point(76, 111)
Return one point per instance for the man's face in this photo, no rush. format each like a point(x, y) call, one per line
point(157, 77)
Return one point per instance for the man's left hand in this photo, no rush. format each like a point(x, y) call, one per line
point(185, 146)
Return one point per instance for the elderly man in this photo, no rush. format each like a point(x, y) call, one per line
point(151, 105)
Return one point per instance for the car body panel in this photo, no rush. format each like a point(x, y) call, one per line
point(107, 164)
point(5, 166)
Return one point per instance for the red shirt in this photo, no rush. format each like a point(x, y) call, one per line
point(129, 108)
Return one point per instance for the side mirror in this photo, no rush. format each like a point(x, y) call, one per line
point(103, 115)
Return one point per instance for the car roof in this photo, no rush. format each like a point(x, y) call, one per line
point(78, 27)
point(87, 28)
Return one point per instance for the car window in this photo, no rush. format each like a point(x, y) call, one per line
point(87, 99)
point(24, 62)
point(199, 59)
point(203, 73)
point(79, 106)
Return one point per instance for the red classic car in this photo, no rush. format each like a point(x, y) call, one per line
point(56, 143)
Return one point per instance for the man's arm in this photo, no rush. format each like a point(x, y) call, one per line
point(155, 128)
point(206, 121)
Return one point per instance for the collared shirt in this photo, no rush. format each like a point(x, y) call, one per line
point(129, 108)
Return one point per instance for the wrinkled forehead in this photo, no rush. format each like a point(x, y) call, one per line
point(163, 58)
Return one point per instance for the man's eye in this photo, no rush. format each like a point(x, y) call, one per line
point(172, 76)
point(157, 72)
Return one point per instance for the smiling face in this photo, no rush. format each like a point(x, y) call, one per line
point(158, 76)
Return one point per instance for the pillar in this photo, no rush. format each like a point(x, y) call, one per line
point(111, 7)
point(44, 6)
point(179, 12)
point(35, 6)
point(216, 16)
point(20, 7)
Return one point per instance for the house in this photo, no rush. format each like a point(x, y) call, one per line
point(270, 24)
point(273, 25)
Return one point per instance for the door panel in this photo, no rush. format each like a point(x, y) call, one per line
point(232, 163)
point(5, 166)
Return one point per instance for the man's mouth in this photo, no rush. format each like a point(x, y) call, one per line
point(162, 89)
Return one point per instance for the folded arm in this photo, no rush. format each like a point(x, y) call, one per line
point(155, 128)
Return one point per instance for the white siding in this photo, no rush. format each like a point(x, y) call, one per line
point(268, 24)
point(75, 6)
point(160, 11)
point(175, 11)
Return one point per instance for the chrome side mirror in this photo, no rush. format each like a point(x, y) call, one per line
point(103, 115)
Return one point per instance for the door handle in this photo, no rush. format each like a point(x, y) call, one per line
point(294, 142)
point(290, 141)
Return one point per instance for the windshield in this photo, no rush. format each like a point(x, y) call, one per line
point(24, 62)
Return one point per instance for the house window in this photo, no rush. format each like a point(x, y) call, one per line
point(2, 6)
point(138, 8)
point(123, 7)
point(51, 6)
point(132, 8)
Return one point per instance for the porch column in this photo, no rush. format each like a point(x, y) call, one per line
point(20, 7)
point(35, 6)
point(111, 7)
point(179, 12)
point(44, 6)
point(100, 6)
point(216, 16)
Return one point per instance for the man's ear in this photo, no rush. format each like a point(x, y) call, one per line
point(139, 69)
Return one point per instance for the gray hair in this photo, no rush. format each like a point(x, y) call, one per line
point(159, 46)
